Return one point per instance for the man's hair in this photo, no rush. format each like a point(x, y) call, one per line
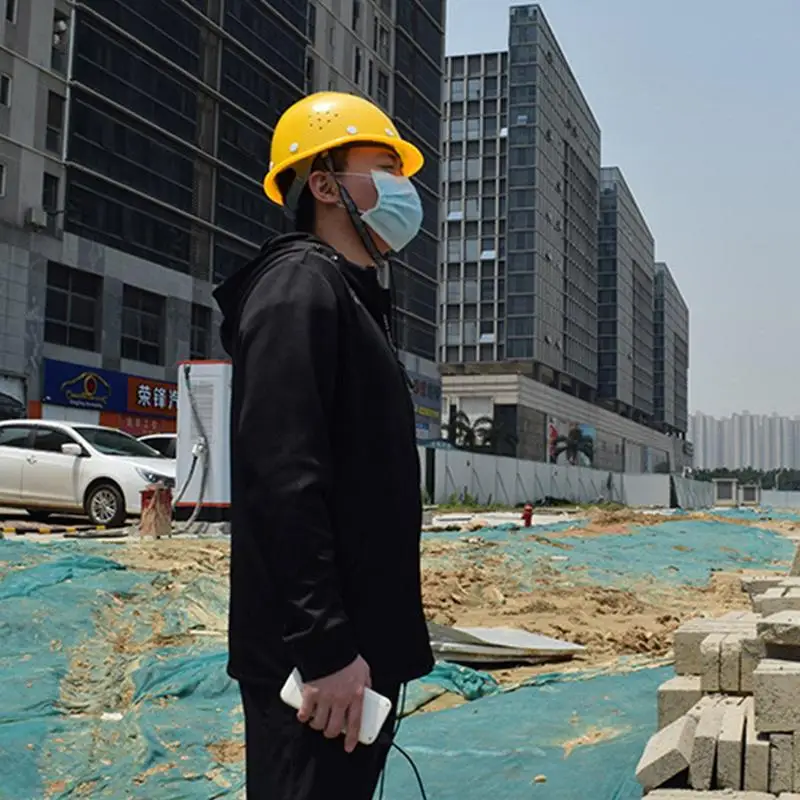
point(305, 213)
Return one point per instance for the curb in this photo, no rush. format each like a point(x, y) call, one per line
point(44, 530)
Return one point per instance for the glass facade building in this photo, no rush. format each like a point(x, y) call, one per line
point(520, 187)
point(671, 354)
point(626, 271)
point(140, 171)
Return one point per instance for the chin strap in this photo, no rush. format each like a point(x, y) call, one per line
point(382, 263)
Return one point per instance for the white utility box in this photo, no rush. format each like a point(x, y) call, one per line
point(203, 475)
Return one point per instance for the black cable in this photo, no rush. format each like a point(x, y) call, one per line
point(408, 758)
point(400, 708)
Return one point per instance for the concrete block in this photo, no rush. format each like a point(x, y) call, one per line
point(730, 747)
point(676, 696)
point(781, 628)
point(667, 754)
point(796, 762)
point(764, 603)
point(780, 762)
point(756, 752)
point(690, 635)
point(710, 653)
point(789, 796)
point(704, 748)
point(730, 660)
point(776, 692)
point(778, 599)
point(755, 585)
point(752, 653)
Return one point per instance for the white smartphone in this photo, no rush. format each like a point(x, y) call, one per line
point(375, 711)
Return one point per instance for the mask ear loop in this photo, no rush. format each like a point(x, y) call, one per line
point(382, 263)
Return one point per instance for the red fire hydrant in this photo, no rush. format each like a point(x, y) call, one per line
point(527, 515)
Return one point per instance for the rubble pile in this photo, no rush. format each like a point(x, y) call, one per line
point(729, 722)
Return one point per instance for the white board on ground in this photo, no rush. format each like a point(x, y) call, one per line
point(484, 645)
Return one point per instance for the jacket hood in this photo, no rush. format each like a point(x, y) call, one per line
point(232, 293)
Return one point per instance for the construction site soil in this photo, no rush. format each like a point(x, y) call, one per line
point(460, 589)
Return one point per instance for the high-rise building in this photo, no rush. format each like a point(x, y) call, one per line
point(745, 441)
point(670, 354)
point(626, 272)
point(136, 137)
point(520, 188)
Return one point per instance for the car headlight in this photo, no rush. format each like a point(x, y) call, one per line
point(154, 477)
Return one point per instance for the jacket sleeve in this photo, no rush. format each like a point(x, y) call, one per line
point(288, 350)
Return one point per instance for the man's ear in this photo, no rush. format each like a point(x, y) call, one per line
point(323, 187)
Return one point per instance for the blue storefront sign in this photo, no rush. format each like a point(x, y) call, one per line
point(79, 386)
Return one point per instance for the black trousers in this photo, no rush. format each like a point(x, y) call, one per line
point(287, 760)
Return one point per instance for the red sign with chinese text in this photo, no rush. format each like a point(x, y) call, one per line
point(142, 426)
point(154, 398)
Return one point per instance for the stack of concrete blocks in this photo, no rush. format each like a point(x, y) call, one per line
point(729, 722)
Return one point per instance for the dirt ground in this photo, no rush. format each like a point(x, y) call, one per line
point(638, 621)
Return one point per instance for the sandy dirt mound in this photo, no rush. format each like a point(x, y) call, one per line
point(609, 622)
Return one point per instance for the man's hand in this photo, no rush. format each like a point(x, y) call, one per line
point(333, 704)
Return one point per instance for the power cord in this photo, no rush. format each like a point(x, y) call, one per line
point(401, 705)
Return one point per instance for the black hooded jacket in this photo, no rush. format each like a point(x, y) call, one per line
point(325, 494)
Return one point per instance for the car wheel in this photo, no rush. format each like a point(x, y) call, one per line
point(39, 515)
point(105, 505)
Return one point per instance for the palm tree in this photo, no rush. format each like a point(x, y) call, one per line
point(574, 445)
point(482, 434)
point(459, 430)
point(494, 437)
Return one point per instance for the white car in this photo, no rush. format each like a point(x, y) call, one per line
point(165, 443)
point(59, 467)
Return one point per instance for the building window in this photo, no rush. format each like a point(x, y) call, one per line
point(3, 177)
point(11, 11)
point(142, 324)
point(5, 90)
point(381, 43)
point(357, 67)
point(200, 344)
point(383, 89)
point(55, 122)
point(72, 307)
point(311, 22)
point(58, 50)
point(356, 15)
point(50, 185)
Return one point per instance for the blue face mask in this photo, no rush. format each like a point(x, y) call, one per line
point(397, 216)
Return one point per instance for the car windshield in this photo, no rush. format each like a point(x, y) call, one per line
point(116, 443)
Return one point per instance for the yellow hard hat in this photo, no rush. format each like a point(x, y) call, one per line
point(327, 120)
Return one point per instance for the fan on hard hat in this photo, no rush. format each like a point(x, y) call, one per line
point(322, 122)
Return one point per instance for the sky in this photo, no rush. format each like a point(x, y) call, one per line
point(699, 105)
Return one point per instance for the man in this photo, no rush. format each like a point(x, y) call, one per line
point(325, 572)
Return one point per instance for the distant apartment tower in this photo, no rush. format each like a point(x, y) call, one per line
point(625, 277)
point(671, 354)
point(520, 192)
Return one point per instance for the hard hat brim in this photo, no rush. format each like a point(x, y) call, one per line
point(410, 156)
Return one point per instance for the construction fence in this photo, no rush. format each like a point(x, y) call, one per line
point(457, 475)
point(778, 499)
